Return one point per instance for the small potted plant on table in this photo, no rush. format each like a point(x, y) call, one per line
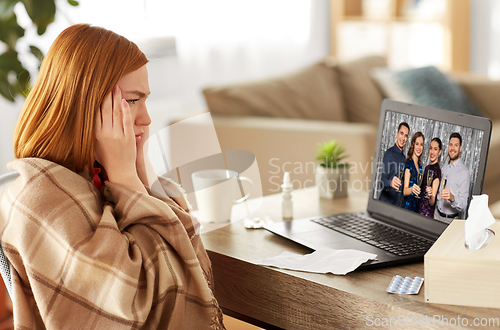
point(332, 176)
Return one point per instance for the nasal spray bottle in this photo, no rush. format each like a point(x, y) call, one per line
point(287, 203)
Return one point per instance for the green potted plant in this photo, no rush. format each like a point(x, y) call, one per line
point(14, 78)
point(332, 175)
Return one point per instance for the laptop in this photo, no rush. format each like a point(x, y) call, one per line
point(396, 234)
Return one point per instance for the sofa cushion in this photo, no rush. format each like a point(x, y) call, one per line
point(425, 86)
point(312, 93)
point(361, 96)
point(484, 91)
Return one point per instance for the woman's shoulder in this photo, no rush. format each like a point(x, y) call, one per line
point(44, 183)
point(48, 195)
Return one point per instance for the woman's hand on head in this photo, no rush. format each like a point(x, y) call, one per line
point(115, 147)
point(142, 148)
point(142, 159)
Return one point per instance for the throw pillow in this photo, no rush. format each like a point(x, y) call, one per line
point(425, 86)
point(361, 96)
point(312, 93)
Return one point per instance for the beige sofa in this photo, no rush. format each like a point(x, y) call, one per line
point(282, 120)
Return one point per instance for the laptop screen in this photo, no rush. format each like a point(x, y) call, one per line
point(443, 153)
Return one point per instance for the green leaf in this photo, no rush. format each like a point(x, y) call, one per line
point(41, 12)
point(9, 64)
point(24, 81)
point(73, 3)
point(10, 31)
point(5, 89)
point(38, 53)
point(7, 8)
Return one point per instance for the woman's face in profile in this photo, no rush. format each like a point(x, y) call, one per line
point(135, 89)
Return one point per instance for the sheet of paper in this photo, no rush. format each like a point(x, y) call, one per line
point(338, 262)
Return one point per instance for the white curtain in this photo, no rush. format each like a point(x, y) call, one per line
point(217, 41)
point(223, 41)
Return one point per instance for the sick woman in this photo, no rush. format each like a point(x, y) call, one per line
point(94, 239)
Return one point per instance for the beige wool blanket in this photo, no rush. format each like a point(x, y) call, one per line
point(117, 260)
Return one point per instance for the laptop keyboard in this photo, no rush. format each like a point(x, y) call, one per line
point(360, 226)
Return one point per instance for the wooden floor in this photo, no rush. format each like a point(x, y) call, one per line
point(235, 324)
point(7, 322)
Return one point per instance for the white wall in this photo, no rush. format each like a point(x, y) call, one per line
point(8, 114)
point(485, 37)
point(480, 35)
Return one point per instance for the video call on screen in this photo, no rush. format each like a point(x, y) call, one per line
point(433, 169)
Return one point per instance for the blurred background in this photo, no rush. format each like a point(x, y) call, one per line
point(195, 43)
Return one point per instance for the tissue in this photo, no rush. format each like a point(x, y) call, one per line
point(324, 260)
point(479, 219)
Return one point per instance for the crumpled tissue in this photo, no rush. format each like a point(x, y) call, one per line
point(479, 219)
point(325, 260)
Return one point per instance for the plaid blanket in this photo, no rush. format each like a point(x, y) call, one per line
point(119, 259)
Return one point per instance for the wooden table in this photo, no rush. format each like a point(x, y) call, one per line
point(274, 298)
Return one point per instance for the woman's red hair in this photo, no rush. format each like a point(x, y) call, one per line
point(82, 66)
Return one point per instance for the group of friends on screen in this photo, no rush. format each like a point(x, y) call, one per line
point(436, 191)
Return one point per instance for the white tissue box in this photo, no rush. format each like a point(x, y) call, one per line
point(455, 275)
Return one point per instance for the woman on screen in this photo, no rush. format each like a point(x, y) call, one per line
point(413, 167)
point(432, 177)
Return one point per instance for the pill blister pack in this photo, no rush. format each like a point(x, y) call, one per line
point(405, 285)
